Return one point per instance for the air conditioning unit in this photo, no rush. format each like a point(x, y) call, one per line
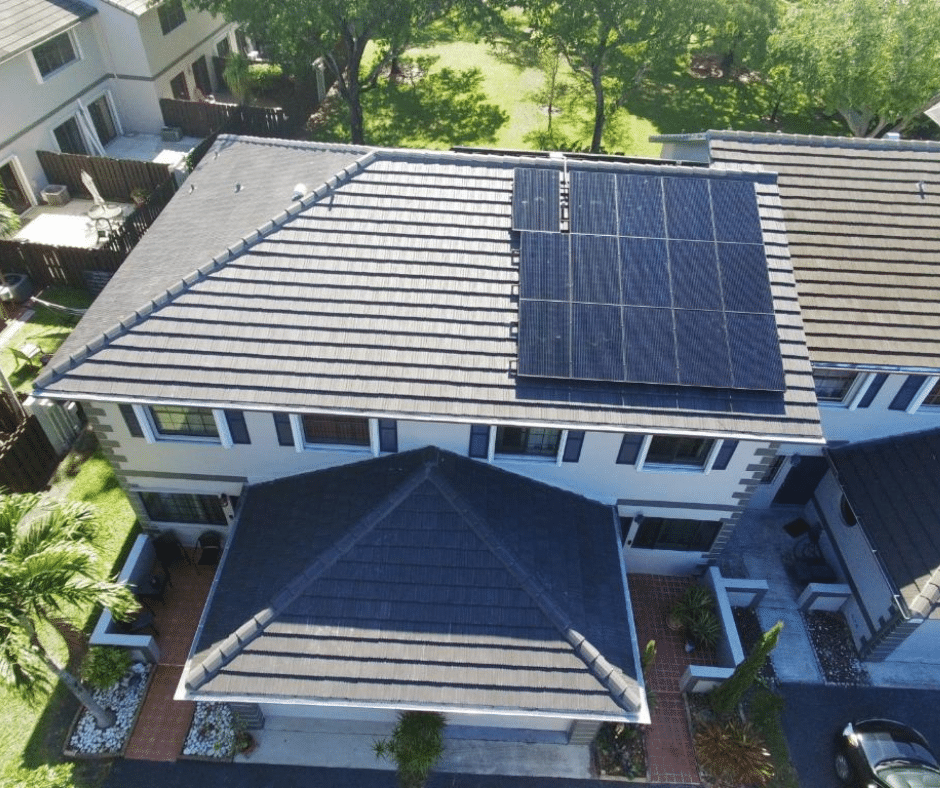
point(56, 194)
point(171, 134)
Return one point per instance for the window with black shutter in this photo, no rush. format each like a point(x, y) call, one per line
point(479, 441)
point(237, 427)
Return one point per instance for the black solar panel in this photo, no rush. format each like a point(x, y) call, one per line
point(593, 203)
point(694, 269)
point(640, 206)
point(536, 203)
point(736, 203)
point(644, 272)
point(545, 339)
point(595, 269)
point(544, 270)
point(596, 342)
point(688, 209)
point(744, 279)
point(649, 340)
point(662, 281)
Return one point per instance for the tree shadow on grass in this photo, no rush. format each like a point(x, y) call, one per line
point(446, 107)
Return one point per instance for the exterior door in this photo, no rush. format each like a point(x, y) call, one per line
point(179, 87)
point(802, 481)
point(201, 75)
point(69, 137)
point(13, 194)
point(102, 119)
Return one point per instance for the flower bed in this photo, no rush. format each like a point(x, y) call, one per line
point(124, 698)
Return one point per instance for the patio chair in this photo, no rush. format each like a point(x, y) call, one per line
point(30, 355)
point(169, 552)
point(208, 550)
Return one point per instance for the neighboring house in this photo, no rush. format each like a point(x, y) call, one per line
point(76, 75)
point(863, 224)
point(880, 505)
point(304, 320)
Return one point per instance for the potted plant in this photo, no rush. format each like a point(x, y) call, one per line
point(139, 195)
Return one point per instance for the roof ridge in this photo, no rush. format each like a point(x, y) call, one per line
point(808, 140)
point(226, 650)
point(624, 690)
point(59, 368)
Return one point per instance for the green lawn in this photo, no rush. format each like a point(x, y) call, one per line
point(47, 328)
point(31, 736)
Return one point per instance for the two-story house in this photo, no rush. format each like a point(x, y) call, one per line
point(76, 75)
point(438, 403)
point(863, 224)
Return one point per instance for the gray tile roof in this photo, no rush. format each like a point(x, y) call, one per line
point(863, 222)
point(422, 580)
point(26, 23)
point(893, 486)
point(390, 290)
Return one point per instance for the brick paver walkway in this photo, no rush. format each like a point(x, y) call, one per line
point(668, 741)
point(163, 722)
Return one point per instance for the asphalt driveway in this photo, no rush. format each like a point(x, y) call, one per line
point(814, 713)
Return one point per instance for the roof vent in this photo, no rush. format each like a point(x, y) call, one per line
point(238, 188)
point(893, 135)
point(299, 191)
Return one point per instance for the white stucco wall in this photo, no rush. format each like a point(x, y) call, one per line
point(920, 647)
point(876, 421)
point(873, 594)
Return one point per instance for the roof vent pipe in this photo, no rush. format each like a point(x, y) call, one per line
point(893, 135)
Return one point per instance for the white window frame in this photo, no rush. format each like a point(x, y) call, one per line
point(79, 56)
point(651, 467)
point(542, 458)
point(301, 445)
point(153, 435)
point(855, 391)
point(112, 108)
point(918, 402)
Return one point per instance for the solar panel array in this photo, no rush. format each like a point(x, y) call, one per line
point(661, 280)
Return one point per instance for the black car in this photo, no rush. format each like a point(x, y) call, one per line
point(887, 754)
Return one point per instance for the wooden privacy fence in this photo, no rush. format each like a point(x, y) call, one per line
point(203, 118)
point(27, 459)
point(115, 178)
point(61, 265)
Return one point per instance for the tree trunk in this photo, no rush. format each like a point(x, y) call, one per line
point(104, 718)
point(597, 82)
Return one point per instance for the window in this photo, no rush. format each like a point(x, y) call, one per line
point(833, 385)
point(223, 48)
point(773, 469)
point(667, 533)
point(932, 400)
point(184, 508)
point(345, 430)
point(102, 119)
point(69, 137)
point(171, 15)
point(14, 194)
point(177, 421)
point(678, 451)
point(179, 88)
point(54, 54)
point(530, 441)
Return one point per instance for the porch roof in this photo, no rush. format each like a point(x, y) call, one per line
point(893, 486)
point(421, 580)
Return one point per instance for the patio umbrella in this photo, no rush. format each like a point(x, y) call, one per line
point(92, 189)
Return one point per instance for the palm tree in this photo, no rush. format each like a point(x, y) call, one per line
point(48, 571)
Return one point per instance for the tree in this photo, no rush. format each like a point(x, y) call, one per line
point(612, 43)
point(875, 62)
point(728, 694)
point(298, 32)
point(48, 572)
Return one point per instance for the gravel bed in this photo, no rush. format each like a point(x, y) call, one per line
point(834, 649)
point(123, 698)
point(212, 733)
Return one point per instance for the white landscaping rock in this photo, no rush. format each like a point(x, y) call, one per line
point(124, 699)
point(212, 734)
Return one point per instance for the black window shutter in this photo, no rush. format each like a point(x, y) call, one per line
point(573, 446)
point(237, 427)
point(629, 449)
point(479, 440)
point(285, 435)
point(908, 390)
point(724, 454)
point(388, 435)
point(873, 389)
point(130, 418)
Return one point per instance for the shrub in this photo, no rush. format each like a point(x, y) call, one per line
point(416, 746)
point(728, 695)
point(695, 613)
point(237, 75)
point(734, 752)
point(105, 666)
point(264, 77)
point(45, 776)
